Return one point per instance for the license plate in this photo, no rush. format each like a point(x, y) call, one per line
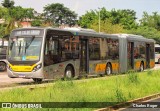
point(21, 75)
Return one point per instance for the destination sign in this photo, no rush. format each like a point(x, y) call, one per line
point(27, 32)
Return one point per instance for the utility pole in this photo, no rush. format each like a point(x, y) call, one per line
point(99, 18)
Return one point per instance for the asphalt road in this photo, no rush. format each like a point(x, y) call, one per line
point(5, 81)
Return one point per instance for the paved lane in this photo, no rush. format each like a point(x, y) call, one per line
point(5, 81)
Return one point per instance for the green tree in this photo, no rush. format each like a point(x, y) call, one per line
point(58, 14)
point(3, 12)
point(86, 20)
point(107, 27)
point(13, 16)
point(36, 23)
point(28, 13)
point(91, 16)
point(148, 32)
point(125, 17)
point(2, 30)
point(151, 20)
point(16, 15)
point(8, 3)
point(3, 16)
point(149, 26)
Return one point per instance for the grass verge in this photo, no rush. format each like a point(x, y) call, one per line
point(109, 90)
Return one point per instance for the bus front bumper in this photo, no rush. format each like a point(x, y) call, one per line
point(37, 74)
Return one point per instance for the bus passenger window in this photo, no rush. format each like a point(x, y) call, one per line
point(94, 48)
point(51, 51)
point(70, 48)
point(61, 48)
point(113, 49)
point(139, 50)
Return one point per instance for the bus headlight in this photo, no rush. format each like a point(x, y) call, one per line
point(37, 67)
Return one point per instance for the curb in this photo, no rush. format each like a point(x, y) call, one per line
point(128, 103)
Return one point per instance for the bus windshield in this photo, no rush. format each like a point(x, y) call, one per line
point(25, 48)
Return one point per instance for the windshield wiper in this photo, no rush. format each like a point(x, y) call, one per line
point(28, 44)
point(11, 45)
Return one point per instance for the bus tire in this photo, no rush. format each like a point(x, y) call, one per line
point(141, 67)
point(2, 66)
point(37, 80)
point(108, 70)
point(69, 72)
point(159, 61)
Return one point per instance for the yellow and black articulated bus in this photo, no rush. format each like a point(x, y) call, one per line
point(50, 53)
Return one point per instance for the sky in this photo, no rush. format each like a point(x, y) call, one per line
point(81, 6)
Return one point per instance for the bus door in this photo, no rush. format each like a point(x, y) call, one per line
point(147, 55)
point(84, 56)
point(131, 55)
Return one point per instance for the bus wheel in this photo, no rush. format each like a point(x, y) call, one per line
point(108, 69)
point(158, 61)
point(2, 66)
point(69, 73)
point(141, 67)
point(37, 80)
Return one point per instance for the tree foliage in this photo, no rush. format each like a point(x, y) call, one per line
point(122, 21)
point(127, 18)
point(12, 17)
point(2, 30)
point(149, 26)
point(151, 20)
point(148, 32)
point(36, 23)
point(107, 27)
point(8, 3)
point(16, 15)
point(86, 20)
point(58, 14)
point(19, 13)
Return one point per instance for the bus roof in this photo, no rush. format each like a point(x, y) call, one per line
point(133, 37)
point(73, 31)
point(84, 32)
point(92, 33)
